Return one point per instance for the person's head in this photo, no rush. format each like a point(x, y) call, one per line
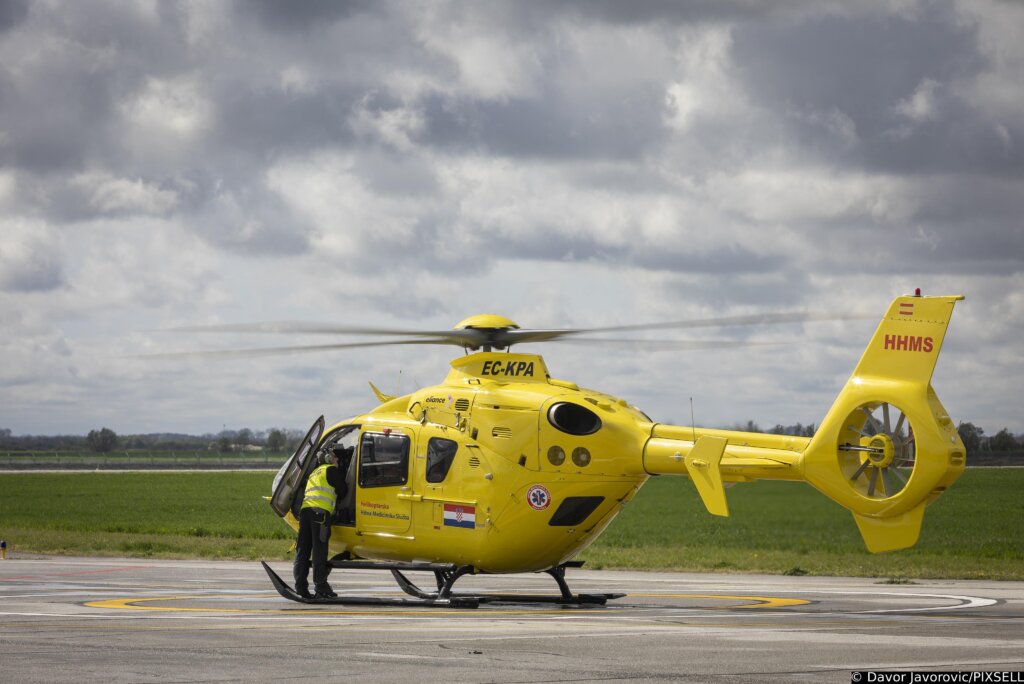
point(342, 455)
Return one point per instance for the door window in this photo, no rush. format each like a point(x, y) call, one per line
point(440, 456)
point(383, 459)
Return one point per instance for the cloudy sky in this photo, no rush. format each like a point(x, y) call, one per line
point(566, 164)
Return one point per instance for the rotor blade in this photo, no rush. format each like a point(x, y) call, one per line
point(280, 351)
point(304, 327)
point(459, 338)
point(863, 466)
point(898, 431)
point(725, 321)
point(666, 345)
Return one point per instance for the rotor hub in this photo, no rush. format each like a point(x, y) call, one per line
point(882, 452)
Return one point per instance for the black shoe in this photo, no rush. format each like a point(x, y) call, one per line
point(303, 592)
point(325, 592)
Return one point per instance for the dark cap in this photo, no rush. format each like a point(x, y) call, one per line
point(343, 452)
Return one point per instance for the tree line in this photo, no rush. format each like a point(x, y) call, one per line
point(105, 440)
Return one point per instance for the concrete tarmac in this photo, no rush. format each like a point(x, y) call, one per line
point(133, 620)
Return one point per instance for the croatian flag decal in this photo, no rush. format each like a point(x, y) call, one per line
point(460, 516)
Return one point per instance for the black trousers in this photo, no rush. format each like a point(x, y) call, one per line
point(314, 534)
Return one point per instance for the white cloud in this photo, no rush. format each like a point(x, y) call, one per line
point(169, 107)
point(395, 127)
point(489, 64)
point(108, 194)
point(30, 257)
point(921, 105)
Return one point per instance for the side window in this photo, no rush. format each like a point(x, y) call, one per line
point(383, 460)
point(440, 455)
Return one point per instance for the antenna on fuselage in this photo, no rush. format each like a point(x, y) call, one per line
point(693, 423)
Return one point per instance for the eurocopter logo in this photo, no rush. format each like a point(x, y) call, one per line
point(914, 343)
point(512, 368)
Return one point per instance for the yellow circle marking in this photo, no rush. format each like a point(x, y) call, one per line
point(133, 604)
point(761, 601)
point(130, 604)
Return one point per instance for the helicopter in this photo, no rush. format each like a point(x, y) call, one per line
point(503, 468)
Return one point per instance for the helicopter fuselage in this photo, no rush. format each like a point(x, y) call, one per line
point(536, 468)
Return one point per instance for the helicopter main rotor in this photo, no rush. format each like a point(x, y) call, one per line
point(489, 332)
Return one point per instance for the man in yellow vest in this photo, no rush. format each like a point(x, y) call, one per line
point(324, 487)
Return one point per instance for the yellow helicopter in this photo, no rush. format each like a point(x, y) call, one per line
point(502, 468)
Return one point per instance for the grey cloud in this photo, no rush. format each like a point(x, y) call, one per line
point(47, 132)
point(639, 12)
point(299, 16)
point(259, 124)
point(863, 67)
point(40, 270)
point(578, 246)
point(250, 219)
point(619, 125)
point(723, 261)
point(12, 13)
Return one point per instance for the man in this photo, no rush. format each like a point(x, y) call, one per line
point(324, 487)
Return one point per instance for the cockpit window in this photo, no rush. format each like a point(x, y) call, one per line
point(440, 456)
point(573, 419)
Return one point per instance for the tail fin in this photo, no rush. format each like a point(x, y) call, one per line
point(887, 447)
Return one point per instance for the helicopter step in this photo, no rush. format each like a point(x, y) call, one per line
point(446, 574)
point(287, 592)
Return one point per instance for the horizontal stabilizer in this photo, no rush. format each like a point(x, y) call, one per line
point(703, 464)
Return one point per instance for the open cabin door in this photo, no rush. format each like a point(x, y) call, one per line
point(293, 473)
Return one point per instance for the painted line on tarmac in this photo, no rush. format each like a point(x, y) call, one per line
point(967, 602)
point(78, 572)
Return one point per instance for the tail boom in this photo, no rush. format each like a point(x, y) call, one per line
point(885, 450)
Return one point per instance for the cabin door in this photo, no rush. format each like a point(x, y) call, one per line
point(384, 498)
point(292, 474)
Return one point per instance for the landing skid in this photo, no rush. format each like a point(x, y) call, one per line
point(287, 592)
point(445, 576)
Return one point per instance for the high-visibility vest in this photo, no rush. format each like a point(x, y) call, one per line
point(318, 492)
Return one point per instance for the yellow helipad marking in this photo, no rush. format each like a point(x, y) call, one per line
point(136, 604)
point(761, 601)
point(130, 604)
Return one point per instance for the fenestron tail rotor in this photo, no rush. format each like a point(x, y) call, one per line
point(877, 450)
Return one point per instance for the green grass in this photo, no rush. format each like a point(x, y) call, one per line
point(209, 515)
point(974, 530)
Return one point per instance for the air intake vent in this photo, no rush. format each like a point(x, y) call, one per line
point(501, 432)
point(474, 462)
point(462, 404)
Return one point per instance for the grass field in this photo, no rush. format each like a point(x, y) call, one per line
point(976, 530)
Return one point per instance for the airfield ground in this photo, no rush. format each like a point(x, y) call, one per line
point(129, 619)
